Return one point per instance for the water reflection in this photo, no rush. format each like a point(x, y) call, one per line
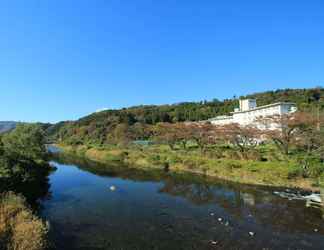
point(159, 210)
point(35, 189)
point(242, 202)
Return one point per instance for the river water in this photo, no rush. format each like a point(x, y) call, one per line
point(101, 207)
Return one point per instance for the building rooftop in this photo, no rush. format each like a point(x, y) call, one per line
point(265, 106)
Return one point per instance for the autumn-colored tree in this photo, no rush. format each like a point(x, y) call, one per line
point(288, 130)
point(244, 138)
point(311, 136)
point(165, 133)
point(203, 134)
point(141, 131)
point(120, 134)
point(183, 133)
point(172, 134)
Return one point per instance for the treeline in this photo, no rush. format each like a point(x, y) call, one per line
point(299, 132)
point(99, 128)
point(296, 139)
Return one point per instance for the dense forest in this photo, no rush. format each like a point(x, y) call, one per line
point(100, 127)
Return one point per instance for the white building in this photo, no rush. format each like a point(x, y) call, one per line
point(249, 112)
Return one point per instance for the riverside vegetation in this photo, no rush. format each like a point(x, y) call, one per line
point(23, 180)
point(160, 137)
point(168, 137)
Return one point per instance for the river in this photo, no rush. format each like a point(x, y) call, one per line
point(92, 207)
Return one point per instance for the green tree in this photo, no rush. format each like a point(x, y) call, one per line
point(23, 156)
point(25, 143)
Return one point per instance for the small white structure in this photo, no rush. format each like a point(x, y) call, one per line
point(249, 112)
point(247, 104)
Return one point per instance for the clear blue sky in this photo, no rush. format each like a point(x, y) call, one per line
point(64, 59)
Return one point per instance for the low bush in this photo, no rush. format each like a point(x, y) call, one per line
point(315, 171)
point(174, 159)
point(233, 165)
point(154, 158)
point(19, 228)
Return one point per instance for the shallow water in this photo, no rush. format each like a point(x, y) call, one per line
point(157, 210)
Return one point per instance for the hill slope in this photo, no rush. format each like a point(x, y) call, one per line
point(7, 126)
point(96, 127)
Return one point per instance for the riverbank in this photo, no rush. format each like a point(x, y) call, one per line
point(268, 173)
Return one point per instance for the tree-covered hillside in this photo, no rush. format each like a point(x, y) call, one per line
point(99, 127)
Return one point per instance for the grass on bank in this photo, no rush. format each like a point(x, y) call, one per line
point(264, 167)
point(20, 229)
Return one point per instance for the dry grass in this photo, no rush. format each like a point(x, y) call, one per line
point(19, 228)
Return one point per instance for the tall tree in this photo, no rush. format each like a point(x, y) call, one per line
point(26, 142)
point(287, 130)
point(203, 134)
point(170, 134)
point(244, 138)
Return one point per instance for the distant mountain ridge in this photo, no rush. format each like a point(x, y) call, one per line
point(7, 126)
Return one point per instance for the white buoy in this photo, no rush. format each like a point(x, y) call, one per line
point(112, 188)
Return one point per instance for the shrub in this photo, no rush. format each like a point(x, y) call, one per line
point(173, 159)
point(232, 154)
point(233, 165)
point(310, 166)
point(315, 171)
point(253, 155)
point(295, 172)
point(312, 171)
point(113, 157)
point(194, 162)
point(154, 159)
point(19, 228)
point(216, 153)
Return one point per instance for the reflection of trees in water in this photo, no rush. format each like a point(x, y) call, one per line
point(35, 188)
point(322, 197)
point(240, 202)
point(198, 194)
